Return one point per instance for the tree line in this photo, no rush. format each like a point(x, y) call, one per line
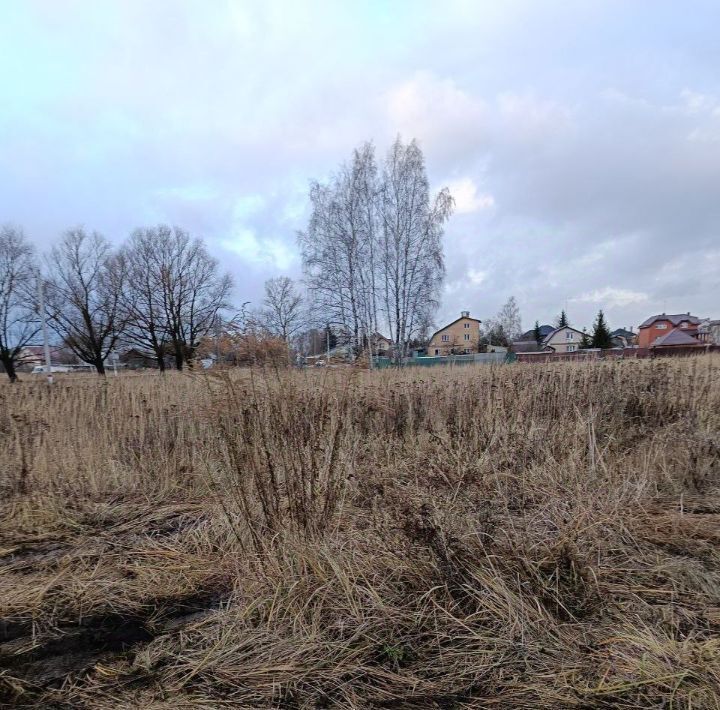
point(505, 328)
point(160, 291)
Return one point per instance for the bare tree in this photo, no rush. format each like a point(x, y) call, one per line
point(84, 289)
point(372, 253)
point(283, 313)
point(143, 298)
point(19, 322)
point(189, 291)
point(508, 318)
point(411, 260)
point(339, 248)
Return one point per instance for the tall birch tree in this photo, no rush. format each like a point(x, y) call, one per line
point(372, 252)
point(411, 262)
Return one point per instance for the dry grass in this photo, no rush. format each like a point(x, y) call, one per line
point(511, 537)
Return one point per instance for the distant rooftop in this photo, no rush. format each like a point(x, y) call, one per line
point(674, 318)
point(530, 334)
point(676, 337)
point(549, 336)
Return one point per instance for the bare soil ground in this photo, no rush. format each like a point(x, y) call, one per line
point(542, 536)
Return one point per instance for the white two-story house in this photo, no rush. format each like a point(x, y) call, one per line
point(563, 340)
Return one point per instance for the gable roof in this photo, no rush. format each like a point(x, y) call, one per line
point(445, 327)
point(530, 334)
point(622, 333)
point(676, 337)
point(674, 318)
point(549, 336)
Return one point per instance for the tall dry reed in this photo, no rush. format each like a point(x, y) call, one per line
point(515, 536)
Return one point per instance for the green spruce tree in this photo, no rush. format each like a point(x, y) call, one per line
point(585, 341)
point(562, 320)
point(537, 334)
point(601, 333)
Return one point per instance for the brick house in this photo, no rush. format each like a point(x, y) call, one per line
point(657, 327)
point(459, 337)
point(677, 338)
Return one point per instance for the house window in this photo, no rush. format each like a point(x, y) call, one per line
point(571, 348)
point(661, 326)
point(445, 338)
point(467, 325)
point(569, 335)
point(467, 336)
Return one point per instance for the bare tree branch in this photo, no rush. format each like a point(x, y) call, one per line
point(84, 290)
point(19, 322)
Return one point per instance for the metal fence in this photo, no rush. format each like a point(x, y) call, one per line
point(433, 361)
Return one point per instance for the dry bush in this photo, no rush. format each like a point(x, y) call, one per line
point(513, 536)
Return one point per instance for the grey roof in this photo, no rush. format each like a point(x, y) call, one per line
point(676, 337)
point(623, 333)
point(530, 334)
point(675, 319)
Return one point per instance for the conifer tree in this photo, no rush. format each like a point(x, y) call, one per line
point(601, 333)
point(562, 320)
point(537, 334)
point(585, 341)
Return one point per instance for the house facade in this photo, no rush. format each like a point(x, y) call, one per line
point(657, 327)
point(32, 356)
point(459, 337)
point(711, 331)
point(623, 338)
point(563, 340)
point(380, 345)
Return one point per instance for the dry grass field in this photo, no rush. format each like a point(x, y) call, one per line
point(524, 536)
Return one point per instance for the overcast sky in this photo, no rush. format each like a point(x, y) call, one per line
point(581, 140)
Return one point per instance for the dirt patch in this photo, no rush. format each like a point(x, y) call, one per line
point(31, 662)
point(27, 558)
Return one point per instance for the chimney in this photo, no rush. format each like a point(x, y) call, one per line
point(464, 314)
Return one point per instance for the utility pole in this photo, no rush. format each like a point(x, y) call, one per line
point(218, 332)
point(327, 334)
point(370, 339)
point(41, 306)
